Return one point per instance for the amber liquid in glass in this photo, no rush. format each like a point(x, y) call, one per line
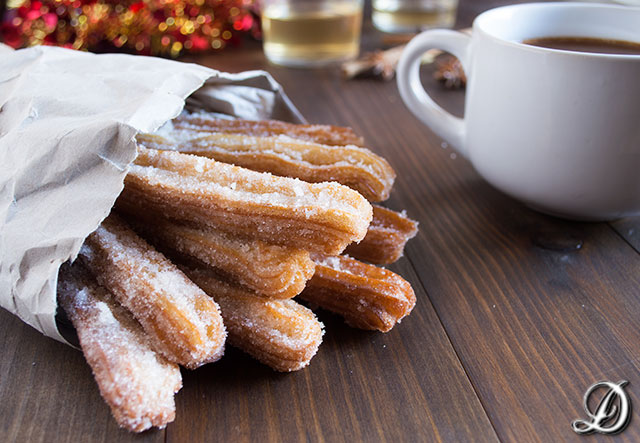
point(308, 35)
point(413, 15)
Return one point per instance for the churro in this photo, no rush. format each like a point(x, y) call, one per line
point(324, 134)
point(183, 323)
point(322, 217)
point(388, 233)
point(352, 166)
point(156, 141)
point(270, 270)
point(137, 383)
point(280, 333)
point(368, 297)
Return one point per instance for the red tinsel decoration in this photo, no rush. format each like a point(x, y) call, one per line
point(150, 27)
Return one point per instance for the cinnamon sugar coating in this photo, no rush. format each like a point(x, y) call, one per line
point(269, 270)
point(183, 323)
point(368, 297)
point(324, 217)
point(137, 383)
point(324, 134)
point(247, 241)
point(280, 333)
point(352, 166)
point(386, 238)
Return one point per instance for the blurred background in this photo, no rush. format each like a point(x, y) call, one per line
point(301, 33)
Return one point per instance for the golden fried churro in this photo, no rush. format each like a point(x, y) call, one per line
point(324, 134)
point(184, 324)
point(388, 233)
point(156, 141)
point(352, 166)
point(280, 333)
point(270, 270)
point(367, 297)
point(137, 383)
point(323, 217)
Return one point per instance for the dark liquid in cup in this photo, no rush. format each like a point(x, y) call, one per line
point(586, 44)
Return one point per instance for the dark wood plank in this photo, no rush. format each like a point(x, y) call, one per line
point(512, 308)
point(406, 385)
point(534, 320)
point(423, 399)
point(629, 229)
point(403, 385)
point(48, 392)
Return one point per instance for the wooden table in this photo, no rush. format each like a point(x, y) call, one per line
point(517, 314)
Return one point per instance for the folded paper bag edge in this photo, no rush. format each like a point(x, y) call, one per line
point(27, 285)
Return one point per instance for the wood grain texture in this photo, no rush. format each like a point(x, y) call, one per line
point(406, 385)
point(47, 392)
point(629, 229)
point(517, 314)
point(537, 308)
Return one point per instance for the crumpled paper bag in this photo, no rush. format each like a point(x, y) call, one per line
point(67, 125)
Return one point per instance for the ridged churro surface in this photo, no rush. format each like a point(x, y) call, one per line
point(280, 333)
point(137, 383)
point(324, 217)
point(183, 323)
point(352, 166)
point(325, 134)
point(270, 270)
point(368, 297)
point(254, 213)
point(386, 238)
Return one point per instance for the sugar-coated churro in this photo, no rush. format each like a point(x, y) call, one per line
point(280, 333)
point(137, 383)
point(322, 217)
point(254, 213)
point(156, 141)
point(270, 270)
point(325, 134)
point(368, 297)
point(352, 166)
point(388, 233)
point(183, 323)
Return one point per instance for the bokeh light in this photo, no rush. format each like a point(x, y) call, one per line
point(154, 27)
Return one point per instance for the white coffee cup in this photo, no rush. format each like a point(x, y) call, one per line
point(558, 130)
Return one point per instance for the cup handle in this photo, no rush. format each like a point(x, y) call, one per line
point(443, 123)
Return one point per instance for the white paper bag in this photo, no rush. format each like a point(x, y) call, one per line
point(67, 125)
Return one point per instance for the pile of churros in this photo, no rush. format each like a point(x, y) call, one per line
point(221, 224)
